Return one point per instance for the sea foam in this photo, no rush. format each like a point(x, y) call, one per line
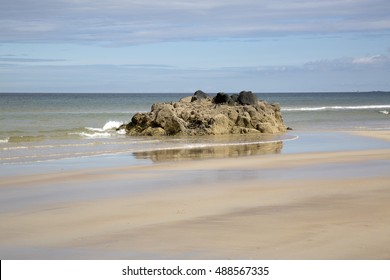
point(110, 125)
point(108, 130)
point(324, 108)
point(94, 135)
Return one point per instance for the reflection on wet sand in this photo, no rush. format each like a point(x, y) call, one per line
point(222, 151)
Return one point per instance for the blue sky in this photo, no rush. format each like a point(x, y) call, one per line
point(182, 46)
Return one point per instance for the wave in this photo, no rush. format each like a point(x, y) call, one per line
point(110, 125)
point(92, 135)
point(25, 138)
point(334, 108)
point(385, 112)
point(108, 130)
point(49, 146)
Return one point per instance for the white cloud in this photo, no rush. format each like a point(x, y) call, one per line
point(226, 29)
point(139, 21)
point(374, 59)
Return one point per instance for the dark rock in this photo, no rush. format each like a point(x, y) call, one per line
point(234, 97)
point(221, 98)
point(247, 98)
point(199, 95)
point(141, 119)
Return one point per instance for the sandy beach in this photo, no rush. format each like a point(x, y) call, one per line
point(316, 203)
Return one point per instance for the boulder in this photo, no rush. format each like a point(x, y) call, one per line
point(199, 95)
point(217, 116)
point(234, 97)
point(166, 119)
point(247, 98)
point(221, 98)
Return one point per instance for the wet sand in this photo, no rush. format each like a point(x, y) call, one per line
point(380, 134)
point(331, 204)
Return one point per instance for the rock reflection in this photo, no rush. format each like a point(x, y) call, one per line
point(224, 151)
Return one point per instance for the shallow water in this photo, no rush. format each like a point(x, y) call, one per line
point(47, 127)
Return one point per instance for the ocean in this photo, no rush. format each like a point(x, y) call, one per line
point(38, 127)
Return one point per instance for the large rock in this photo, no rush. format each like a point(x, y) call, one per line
point(247, 98)
point(199, 95)
point(222, 98)
point(205, 116)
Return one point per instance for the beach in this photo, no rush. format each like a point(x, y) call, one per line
point(298, 199)
point(197, 139)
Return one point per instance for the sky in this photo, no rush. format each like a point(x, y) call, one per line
point(182, 46)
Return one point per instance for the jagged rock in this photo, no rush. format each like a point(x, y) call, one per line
point(207, 116)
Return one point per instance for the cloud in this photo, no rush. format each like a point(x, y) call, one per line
point(12, 58)
point(342, 74)
point(364, 63)
point(374, 59)
point(142, 21)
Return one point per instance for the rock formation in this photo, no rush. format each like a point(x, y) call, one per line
point(204, 115)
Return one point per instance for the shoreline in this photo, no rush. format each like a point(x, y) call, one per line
point(191, 148)
point(297, 204)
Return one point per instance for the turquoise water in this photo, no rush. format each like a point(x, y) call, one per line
point(38, 127)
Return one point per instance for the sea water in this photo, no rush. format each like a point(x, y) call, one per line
point(40, 127)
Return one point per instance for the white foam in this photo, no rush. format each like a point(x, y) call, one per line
point(110, 125)
point(324, 108)
point(121, 132)
point(104, 132)
point(4, 140)
point(304, 109)
point(93, 135)
point(384, 112)
point(94, 129)
point(14, 148)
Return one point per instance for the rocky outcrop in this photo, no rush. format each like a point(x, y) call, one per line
point(203, 115)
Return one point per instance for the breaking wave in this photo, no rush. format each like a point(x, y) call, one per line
point(110, 125)
point(334, 108)
point(108, 130)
